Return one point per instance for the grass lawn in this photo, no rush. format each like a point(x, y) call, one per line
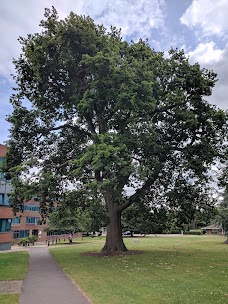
point(13, 266)
point(9, 299)
point(77, 240)
point(178, 270)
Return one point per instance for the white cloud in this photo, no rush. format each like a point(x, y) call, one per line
point(206, 54)
point(214, 59)
point(209, 15)
point(19, 18)
point(135, 18)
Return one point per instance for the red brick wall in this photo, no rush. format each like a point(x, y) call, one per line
point(6, 237)
point(6, 212)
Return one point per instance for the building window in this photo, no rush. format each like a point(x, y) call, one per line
point(31, 208)
point(4, 199)
point(5, 225)
point(16, 234)
point(32, 220)
point(20, 234)
point(16, 220)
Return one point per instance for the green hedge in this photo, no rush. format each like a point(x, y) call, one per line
point(193, 232)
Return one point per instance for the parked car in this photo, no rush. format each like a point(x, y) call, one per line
point(128, 232)
point(84, 234)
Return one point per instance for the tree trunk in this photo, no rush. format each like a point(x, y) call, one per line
point(114, 241)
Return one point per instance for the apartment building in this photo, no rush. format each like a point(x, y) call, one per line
point(27, 223)
point(24, 224)
point(6, 214)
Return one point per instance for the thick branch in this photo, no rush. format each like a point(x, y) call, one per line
point(98, 176)
point(90, 124)
point(137, 194)
point(164, 109)
point(100, 120)
point(63, 164)
point(140, 192)
point(47, 130)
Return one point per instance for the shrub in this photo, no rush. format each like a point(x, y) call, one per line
point(23, 241)
point(193, 232)
point(32, 239)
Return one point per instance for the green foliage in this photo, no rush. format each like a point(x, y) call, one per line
point(221, 218)
point(222, 214)
point(146, 219)
point(72, 220)
point(78, 213)
point(97, 113)
point(29, 240)
point(32, 239)
point(23, 241)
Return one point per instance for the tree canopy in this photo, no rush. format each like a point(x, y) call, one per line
point(78, 213)
point(95, 112)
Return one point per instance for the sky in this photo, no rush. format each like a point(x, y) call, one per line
point(200, 27)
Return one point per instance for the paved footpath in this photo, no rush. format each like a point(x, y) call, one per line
point(46, 283)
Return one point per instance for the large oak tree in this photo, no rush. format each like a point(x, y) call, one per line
point(103, 114)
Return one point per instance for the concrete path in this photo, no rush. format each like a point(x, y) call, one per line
point(46, 283)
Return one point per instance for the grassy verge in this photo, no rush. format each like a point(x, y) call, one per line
point(171, 270)
point(13, 266)
point(9, 299)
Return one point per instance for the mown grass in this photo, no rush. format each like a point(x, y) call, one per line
point(78, 240)
point(13, 266)
point(9, 298)
point(171, 270)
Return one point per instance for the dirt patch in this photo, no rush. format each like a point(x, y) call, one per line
point(10, 287)
point(115, 253)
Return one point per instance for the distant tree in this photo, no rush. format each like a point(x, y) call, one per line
point(77, 212)
point(69, 220)
point(177, 209)
point(190, 203)
point(146, 219)
point(222, 217)
point(100, 113)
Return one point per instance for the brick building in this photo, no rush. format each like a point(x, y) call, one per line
point(6, 213)
point(26, 223)
point(23, 224)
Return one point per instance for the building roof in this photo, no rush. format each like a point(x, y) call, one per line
point(3, 150)
point(212, 227)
